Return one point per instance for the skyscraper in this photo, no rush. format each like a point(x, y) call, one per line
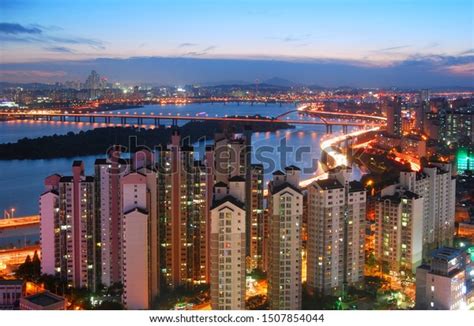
point(140, 232)
point(285, 205)
point(393, 109)
point(50, 226)
point(437, 186)
point(255, 258)
point(336, 232)
point(399, 230)
point(228, 218)
point(232, 158)
point(182, 201)
point(73, 214)
point(108, 219)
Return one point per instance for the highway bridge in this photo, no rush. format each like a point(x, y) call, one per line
point(343, 120)
point(17, 222)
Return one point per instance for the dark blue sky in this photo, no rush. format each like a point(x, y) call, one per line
point(328, 42)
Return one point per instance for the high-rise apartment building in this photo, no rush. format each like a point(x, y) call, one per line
point(139, 192)
point(437, 186)
point(108, 218)
point(228, 218)
point(285, 205)
point(393, 109)
point(399, 230)
point(232, 154)
point(183, 205)
point(255, 258)
point(68, 208)
point(50, 226)
point(336, 232)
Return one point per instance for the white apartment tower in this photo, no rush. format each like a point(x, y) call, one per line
point(285, 205)
point(135, 241)
point(50, 226)
point(228, 245)
point(336, 232)
point(398, 230)
point(438, 188)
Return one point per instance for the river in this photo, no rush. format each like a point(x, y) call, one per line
point(21, 181)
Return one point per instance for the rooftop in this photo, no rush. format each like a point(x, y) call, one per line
point(276, 189)
point(11, 282)
point(355, 186)
point(230, 199)
point(446, 253)
point(237, 178)
point(44, 299)
point(328, 184)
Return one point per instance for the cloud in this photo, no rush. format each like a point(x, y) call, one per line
point(417, 71)
point(13, 28)
point(37, 34)
point(291, 38)
point(393, 48)
point(466, 69)
point(209, 48)
point(59, 49)
point(97, 44)
point(186, 45)
point(30, 74)
point(467, 52)
point(200, 53)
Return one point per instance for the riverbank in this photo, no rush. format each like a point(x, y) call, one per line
point(98, 140)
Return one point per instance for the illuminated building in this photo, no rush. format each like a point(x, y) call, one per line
point(108, 217)
point(457, 125)
point(43, 301)
point(336, 233)
point(72, 222)
point(140, 245)
point(399, 230)
point(413, 145)
point(232, 158)
point(285, 204)
point(228, 245)
point(465, 160)
point(50, 226)
point(437, 186)
point(393, 109)
point(441, 285)
point(256, 217)
point(183, 205)
point(10, 293)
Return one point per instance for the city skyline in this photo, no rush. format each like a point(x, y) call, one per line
point(395, 43)
point(273, 161)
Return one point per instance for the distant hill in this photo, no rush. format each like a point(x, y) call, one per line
point(281, 82)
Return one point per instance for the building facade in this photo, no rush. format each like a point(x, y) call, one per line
point(228, 218)
point(442, 284)
point(285, 205)
point(67, 208)
point(399, 230)
point(336, 233)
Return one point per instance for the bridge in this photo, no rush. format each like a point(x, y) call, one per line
point(332, 114)
point(112, 118)
point(18, 222)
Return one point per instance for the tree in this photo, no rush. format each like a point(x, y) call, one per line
point(30, 270)
point(110, 305)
